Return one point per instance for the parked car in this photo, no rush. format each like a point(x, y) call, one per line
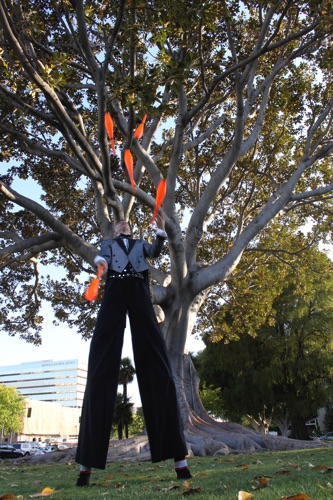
point(62, 446)
point(29, 448)
point(41, 451)
point(8, 451)
point(51, 447)
point(327, 437)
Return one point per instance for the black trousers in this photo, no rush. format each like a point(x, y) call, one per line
point(156, 385)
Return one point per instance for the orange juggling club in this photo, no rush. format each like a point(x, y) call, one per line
point(139, 131)
point(92, 291)
point(160, 195)
point(109, 128)
point(128, 159)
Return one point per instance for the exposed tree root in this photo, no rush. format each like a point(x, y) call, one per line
point(203, 439)
point(208, 437)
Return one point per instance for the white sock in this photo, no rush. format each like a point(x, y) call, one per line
point(181, 464)
point(84, 468)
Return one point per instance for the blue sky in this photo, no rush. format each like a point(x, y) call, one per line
point(61, 343)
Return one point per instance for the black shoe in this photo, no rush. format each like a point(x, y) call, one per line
point(183, 473)
point(83, 479)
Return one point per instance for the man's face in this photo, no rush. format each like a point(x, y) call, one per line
point(123, 228)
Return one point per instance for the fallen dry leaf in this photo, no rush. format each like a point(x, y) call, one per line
point(7, 496)
point(45, 493)
point(297, 466)
point(191, 490)
point(329, 486)
point(120, 486)
point(174, 487)
point(260, 482)
point(283, 471)
point(186, 484)
point(299, 496)
point(244, 495)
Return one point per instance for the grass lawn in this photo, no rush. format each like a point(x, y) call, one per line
point(268, 476)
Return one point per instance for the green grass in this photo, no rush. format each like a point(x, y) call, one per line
point(287, 474)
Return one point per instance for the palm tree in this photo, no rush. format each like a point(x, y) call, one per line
point(123, 415)
point(126, 374)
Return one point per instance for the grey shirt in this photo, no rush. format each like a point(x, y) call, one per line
point(114, 256)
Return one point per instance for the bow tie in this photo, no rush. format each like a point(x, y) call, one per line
point(124, 236)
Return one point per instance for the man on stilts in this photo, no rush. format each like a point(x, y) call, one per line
point(127, 293)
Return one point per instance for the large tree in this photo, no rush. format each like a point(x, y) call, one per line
point(283, 372)
point(239, 103)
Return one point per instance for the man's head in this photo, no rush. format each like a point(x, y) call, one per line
point(123, 227)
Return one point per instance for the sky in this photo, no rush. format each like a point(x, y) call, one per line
point(63, 343)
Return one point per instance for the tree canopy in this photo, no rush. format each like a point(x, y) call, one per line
point(11, 410)
point(282, 372)
point(239, 103)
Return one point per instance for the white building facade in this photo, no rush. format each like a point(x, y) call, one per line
point(61, 382)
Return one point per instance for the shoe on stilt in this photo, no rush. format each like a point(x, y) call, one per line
point(183, 473)
point(83, 479)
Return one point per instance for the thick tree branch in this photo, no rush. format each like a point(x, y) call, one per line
point(50, 95)
point(73, 241)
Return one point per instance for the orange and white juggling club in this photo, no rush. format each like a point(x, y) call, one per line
point(92, 291)
point(109, 128)
point(160, 195)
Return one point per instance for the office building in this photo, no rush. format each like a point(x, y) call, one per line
point(61, 382)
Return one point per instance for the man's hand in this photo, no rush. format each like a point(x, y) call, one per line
point(100, 262)
point(160, 220)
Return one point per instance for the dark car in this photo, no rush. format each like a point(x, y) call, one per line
point(8, 451)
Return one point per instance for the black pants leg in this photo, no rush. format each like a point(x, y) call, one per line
point(102, 380)
point(155, 379)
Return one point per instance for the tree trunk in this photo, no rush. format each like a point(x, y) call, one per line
point(120, 430)
point(283, 423)
point(298, 428)
point(204, 435)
